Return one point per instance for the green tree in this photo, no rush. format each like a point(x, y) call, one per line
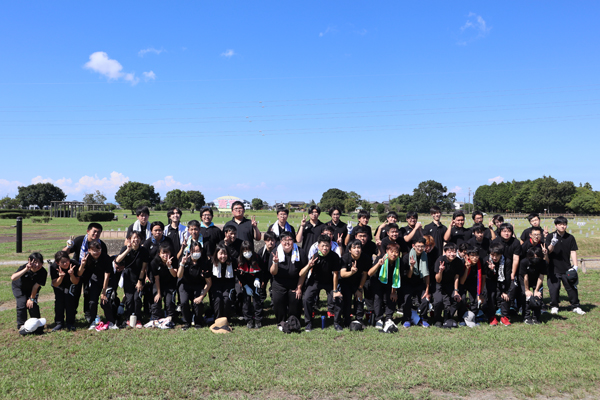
point(333, 197)
point(366, 205)
point(132, 192)
point(257, 204)
point(197, 198)
point(8, 203)
point(41, 194)
point(350, 204)
point(380, 208)
point(585, 201)
point(177, 198)
point(402, 203)
point(431, 193)
point(94, 198)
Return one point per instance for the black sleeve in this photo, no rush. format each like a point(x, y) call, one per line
point(524, 235)
point(54, 271)
point(573, 244)
point(523, 267)
point(41, 277)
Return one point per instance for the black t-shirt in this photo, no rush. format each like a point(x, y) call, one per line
point(26, 282)
point(324, 268)
point(196, 273)
point(560, 257)
point(451, 269)
point(66, 281)
point(173, 234)
point(369, 249)
point(76, 249)
point(369, 233)
point(388, 240)
point(415, 280)
point(512, 248)
point(405, 231)
point(134, 262)
point(527, 245)
point(153, 247)
point(483, 246)
point(533, 270)
point(437, 232)
point(487, 233)
point(234, 248)
point(458, 235)
point(142, 231)
point(293, 230)
point(211, 236)
point(383, 232)
point(310, 234)
point(288, 272)
point(245, 230)
point(340, 229)
point(526, 233)
point(390, 271)
point(95, 269)
point(162, 271)
point(362, 264)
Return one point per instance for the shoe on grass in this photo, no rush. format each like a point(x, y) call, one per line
point(578, 310)
point(112, 326)
point(57, 328)
point(338, 327)
point(554, 310)
point(406, 324)
point(379, 325)
point(250, 324)
point(505, 321)
point(257, 325)
point(308, 327)
point(528, 321)
point(493, 321)
point(186, 327)
point(425, 324)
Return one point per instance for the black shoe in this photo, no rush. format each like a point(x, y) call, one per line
point(186, 327)
point(528, 321)
point(250, 324)
point(257, 325)
point(536, 321)
point(338, 327)
point(438, 324)
point(71, 328)
point(308, 327)
point(57, 328)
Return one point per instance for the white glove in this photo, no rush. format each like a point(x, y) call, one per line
point(554, 240)
point(257, 283)
point(350, 227)
point(575, 267)
point(248, 290)
point(70, 243)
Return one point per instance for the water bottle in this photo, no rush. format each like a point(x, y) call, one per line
point(97, 320)
point(323, 322)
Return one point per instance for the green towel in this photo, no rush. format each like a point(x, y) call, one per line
point(421, 269)
point(383, 274)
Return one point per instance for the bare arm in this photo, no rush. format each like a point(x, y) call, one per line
point(574, 258)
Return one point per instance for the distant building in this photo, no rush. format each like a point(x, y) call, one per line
point(224, 203)
point(458, 205)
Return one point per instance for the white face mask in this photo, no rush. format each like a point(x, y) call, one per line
point(247, 255)
point(196, 256)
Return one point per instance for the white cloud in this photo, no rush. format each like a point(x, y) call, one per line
point(228, 53)
point(110, 68)
point(170, 183)
point(497, 179)
point(87, 184)
point(330, 29)
point(149, 75)
point(474, 28)
point(143, 52)
point(455, 189)
point(9, 187)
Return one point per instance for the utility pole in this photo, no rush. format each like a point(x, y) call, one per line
point(472, 207)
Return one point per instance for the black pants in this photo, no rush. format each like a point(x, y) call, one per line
point(554, 281)
point(446, 303)
point(65, 303)
point(168, 295)
point(223, 292)
point(22, 309)
point(252, 305)
point(349, 302)
point(333, 303)
point(132, 298)
point(409, 293)
point(382, 303)
point(187, 294)
point(94, 288)
point(111, 306)
point(495, 300)
point(473, 302)
point(285, 303)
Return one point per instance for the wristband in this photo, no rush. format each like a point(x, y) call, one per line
point(33, 299)
point(360, 289)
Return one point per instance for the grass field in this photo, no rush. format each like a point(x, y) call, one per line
point(559, 358)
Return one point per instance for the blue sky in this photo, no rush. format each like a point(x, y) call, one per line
point(284, 100)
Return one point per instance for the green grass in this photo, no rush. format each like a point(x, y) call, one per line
point(560, 356)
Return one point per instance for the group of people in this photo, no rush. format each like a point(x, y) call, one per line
point(433, 274)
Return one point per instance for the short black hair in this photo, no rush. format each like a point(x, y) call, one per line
point(392, 214)
point(206, 209)
point(283, 209)
point(173, 211)
point(392, 226)
point(355, 243)
point(61, 254)
point(157, 223)
point(229, 228)
point(324, 238)
point(360, 229)
point(506, 225)
point(472, 250)
point(363, 213)
point(421, 240)
point(450, 246)
point(335, 208)
point(36, 256)
point(285, 234)
point(194, 223)
point(237, 203)
point(435, 210)
point(537, 229)
point(463, 247)
point(269, 235)
point(136, 233)
point(497, 248)
point(561, 220)
point(142, 210)
point(412, 214)
point(535, 251)
point(328, 228)
point(497, 217)
point(458, 213)
point(94, 225)
point(313, 208)
point(476, 213)
point(532, 216)
point(478, 228)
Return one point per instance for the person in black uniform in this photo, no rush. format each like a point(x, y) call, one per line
point(363, 221)
point(478, 219)
point(91, 271)
point(457, 232)
point(285, 264)
point(249, 275)
point(415, 283)
point(562, 251)
point(211, 234)
point(447, 298)
point(65, 283)
point(164, 272)
point(385, 286)
point(264, 253)
point(353, 275)
point(412, 232)
point(500, 288)
point(381, 232)
point(247, 229)
point(322, 273)
point(231, 241)
point(26, 284)
point(141, 225)
point(309, 230)
point(437, 230)
point(195, 275)
point(281, 224)
point(340, 229)
point(223, 281)
point(479, 240)
point(135, 259)
point(531, 276)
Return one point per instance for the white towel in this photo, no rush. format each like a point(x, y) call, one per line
point(217, 271)
point(137, 226)
point(295, 253)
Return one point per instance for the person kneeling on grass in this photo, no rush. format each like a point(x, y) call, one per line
point(108, 297)
point(165, 282)
point(223, 281)
point(65, 282)
point(472, 282)
point(322, 273)
point(446, 297)
point(498, 285)
point(195, 275)
point(26, 284)
point(531, 276)
point(415, 283)
point(386, 286)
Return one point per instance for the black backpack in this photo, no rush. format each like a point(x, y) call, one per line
point(291, 325)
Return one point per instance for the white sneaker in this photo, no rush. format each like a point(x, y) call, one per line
point(92, 326)
point(379, 325)
point(554, 310)
point(579, 311)
point(112, 326)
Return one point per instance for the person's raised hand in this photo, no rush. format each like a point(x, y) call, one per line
point(254, 223)
point(303, 220)
point(354, 268)
point(275, 257)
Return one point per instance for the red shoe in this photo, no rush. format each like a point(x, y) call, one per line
point(505, 321)
point(330, 314)
point(493, 321)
